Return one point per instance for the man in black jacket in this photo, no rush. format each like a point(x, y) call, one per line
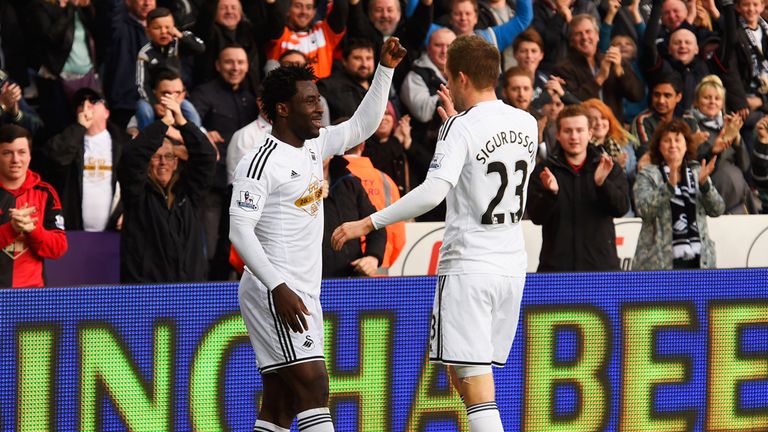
point(574, 196)
point(347, 201)
point(226, 104)
point(83, 162)
point(345, 88)
point(162, 238)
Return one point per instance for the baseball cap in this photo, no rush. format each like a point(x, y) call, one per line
point(86, 94)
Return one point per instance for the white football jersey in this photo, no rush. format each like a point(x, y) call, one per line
point(487, 153)
point(279, 186)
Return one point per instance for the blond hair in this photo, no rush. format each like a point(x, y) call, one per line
point(713, 82)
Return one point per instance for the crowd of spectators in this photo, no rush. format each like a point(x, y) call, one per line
point(138, 111)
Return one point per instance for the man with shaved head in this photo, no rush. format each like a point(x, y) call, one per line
point(683, 58)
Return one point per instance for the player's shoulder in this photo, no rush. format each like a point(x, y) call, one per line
point(255, 164)
point(516, 114)
point(454, 124)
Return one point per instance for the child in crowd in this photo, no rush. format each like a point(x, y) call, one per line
point(167, 45)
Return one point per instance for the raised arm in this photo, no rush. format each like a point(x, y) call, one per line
point(201, 165)
point(272, 24)
point(649, 54)
point(358, 24)
point(417, 25)
point(337, 19)
point(189, 44)
point(368, 115)
point(132, 172)
point(507, 32)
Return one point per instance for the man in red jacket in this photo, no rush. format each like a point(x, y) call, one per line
point(31, 223)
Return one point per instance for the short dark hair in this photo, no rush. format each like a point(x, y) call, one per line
point(573, 111)
point(356, 43)
point(159, 12)
point(10, 132)
point(164, 75)
point(529, 35)
point(675, 125)
point(280, 86)
point(671, 79)
point(476, 58)
point(286, 53)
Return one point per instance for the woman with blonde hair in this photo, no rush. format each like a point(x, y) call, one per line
point(724, 141)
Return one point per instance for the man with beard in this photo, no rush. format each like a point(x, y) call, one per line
point(517, 87)
point(345, 89)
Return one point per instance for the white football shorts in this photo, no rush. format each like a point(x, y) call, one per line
point(474, 319)
point(276, 346)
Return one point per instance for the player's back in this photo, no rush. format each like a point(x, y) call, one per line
point(484, 209)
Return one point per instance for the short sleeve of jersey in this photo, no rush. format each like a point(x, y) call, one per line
point(249, 193)
point(450, 153)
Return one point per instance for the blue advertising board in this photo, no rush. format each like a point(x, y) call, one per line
point(661, 351)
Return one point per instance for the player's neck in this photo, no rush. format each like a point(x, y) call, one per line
point(287, 136)
point(475, 97)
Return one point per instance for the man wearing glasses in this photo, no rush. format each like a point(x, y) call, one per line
point(162, 238)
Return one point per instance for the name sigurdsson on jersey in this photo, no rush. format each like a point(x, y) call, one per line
point(503, 138)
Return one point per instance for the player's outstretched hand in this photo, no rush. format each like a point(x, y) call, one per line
point(392, 52)
point(447, 109)
point(290, 308)
point(350, 230)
